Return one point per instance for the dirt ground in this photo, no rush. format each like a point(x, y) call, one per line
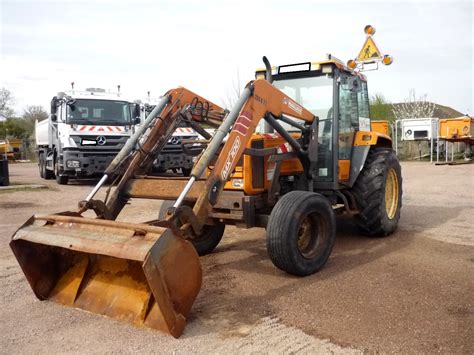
point(408, 293)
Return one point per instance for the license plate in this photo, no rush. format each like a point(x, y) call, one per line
point(88, 142)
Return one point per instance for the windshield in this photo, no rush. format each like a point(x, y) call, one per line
point(315, 94)
point(99, 112)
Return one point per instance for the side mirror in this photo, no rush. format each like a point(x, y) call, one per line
point(53, 107)
point(136, 120)
point(71, 103)
point(137, 112)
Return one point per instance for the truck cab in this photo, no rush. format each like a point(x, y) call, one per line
point(83, 133)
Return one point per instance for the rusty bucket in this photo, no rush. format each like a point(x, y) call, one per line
point(142, 274)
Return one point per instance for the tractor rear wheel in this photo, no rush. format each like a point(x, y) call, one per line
point(378, 193)
point(301, 232)
point(208, 240)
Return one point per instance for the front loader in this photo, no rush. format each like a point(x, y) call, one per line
point(299, 149)
point(143, 273)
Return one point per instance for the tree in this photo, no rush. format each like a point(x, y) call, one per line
point(14, 128)
point(6, 100)
point(414, 107)
point(33, 113)
point(232, 97)
point(380, 108)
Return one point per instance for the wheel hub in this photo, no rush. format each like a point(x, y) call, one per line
point(391, 194)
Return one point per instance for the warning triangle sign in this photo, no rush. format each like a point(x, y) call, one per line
point(369, 52)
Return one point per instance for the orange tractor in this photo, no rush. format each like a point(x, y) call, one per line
point(299, 149)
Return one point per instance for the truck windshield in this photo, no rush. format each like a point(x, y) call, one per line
point(99, 112)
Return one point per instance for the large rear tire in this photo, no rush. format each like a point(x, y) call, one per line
point(208, 240)
point(378, 193)
point(301, 232)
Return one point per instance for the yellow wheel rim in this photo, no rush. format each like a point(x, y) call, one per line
point(391, 194)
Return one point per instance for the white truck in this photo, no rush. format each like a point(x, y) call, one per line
point(174, 156)
point(83, 133)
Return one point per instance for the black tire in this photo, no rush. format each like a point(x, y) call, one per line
point(208, 240)
point(379, 204)
point(44, 172)
point(60, 179)
point(41, 165)
point(301, 232)
point(48, 174)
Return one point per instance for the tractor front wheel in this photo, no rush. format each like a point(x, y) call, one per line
point(208, 240)
point(301, 232)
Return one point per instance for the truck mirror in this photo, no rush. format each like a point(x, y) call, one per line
point(71, 102)
point(53, 105)
point(136, 120)
point(137, 112)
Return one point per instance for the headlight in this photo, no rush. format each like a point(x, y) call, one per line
point(73, 164)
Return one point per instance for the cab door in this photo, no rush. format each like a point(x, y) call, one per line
point(348, 122)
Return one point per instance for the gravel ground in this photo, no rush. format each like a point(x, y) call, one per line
point(411, 292)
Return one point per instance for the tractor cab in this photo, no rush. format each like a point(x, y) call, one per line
point(329, 89)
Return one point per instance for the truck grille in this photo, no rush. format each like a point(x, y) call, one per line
point(174, 144)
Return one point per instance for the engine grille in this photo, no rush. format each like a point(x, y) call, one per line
point(174, 144)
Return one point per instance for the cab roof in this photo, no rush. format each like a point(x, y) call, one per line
point(323, 65)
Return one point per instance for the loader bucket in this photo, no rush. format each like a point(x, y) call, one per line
point(139, 273)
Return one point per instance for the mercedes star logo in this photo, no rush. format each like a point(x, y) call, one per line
point(174, 140)
point(101, 140)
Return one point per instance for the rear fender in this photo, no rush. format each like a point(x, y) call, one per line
point(363, 141)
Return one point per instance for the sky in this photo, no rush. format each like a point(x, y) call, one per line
point(211, 46)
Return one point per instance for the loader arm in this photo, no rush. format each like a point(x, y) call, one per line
point(183, 105)
point(259, 100)
point(147, 275)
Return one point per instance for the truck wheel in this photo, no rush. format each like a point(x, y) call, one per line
point(41, 165)
point(378, 193)
point(208, 240)
point(48, 174)
point(301, 232)
point(60, 179)
point(44, 172)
